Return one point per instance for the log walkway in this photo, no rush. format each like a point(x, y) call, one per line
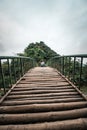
point(43, 99)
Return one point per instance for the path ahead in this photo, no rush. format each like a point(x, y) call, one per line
point(43, 100)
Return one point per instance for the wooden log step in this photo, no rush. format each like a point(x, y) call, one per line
point(24, 102)
point(42, 117)
point(41, 76)
point(44, 98)
point(43, 80)
point(40, 85)
point(47, 101)
point(36, 83)
point(42, 95)
point(41, 88)
point(39, 79)
point(42, 107)
point(75, 124)
point(41, 91)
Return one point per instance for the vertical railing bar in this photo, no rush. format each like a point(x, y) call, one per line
point(80, 77)
point(63, 65)
point(74, 70)
point(9, 70)
point(2, 75)
point(14, 69)
point(18, 64)
point(69, 67)
point(21, 67)
point(60, 64)
point(66, 66)
point(24, 62)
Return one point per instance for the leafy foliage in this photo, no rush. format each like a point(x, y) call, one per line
point(39, 51)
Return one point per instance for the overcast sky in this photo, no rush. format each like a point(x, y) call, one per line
point(61, 24)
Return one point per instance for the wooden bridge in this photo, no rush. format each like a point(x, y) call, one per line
point(43, 99)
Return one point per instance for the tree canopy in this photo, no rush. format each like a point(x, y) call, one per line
point(39, 51)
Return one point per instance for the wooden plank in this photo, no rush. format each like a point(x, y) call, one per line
point(43, 99)
point(42, 117)
point(33, 108)
point(42, 88)
point(41, 91)
point(75, 124)
point(42, 95)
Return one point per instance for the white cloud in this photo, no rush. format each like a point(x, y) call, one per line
point(11, 34)
point(59, 23)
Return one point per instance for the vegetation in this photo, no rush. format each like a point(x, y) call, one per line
point(39, 51)
point(70, 72)
point(11, 70)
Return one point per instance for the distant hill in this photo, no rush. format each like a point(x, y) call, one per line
point(39, 51)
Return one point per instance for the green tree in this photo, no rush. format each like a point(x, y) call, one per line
point(39, 51)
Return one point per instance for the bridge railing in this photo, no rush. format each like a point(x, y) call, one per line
point(11, 69)
point(74, 67)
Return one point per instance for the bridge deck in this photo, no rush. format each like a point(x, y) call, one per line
point(43, 100)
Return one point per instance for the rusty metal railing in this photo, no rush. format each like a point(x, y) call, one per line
point(74, 67)
point(11, 69)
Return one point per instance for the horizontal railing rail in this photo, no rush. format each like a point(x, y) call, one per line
point(74, 67)
point(11, 69)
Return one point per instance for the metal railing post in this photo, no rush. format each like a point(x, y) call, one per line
point(14, 69)
point(74, 69)
point(80, 77)
point(69, 67)
point(18, 65)
point(21, 64)
point(9, 70)
point(63, 65)
point(2, 76)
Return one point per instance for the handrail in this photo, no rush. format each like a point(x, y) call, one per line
point(11, 69)
point(72, 67)
point(11, 57)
